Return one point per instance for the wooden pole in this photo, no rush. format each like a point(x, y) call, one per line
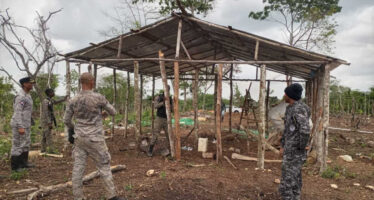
point(326, 115)
point(68, 79)
point(89, 67)
point(127, 103)
point(256, 56)
point(153, 104)
point(79, 75)
point(261, 135)
point(114, 99)
point(195, 104)
point(95, 75)
point(141, 104)
point(218, 113)
point(231, 97)
point(176, 95)
point(215, 100)
point(137, 101)
point(167, 104)
point(267, 104)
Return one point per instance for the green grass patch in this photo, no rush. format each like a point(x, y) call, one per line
point(18, 175)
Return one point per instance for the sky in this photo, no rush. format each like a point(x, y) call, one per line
point(80, 22)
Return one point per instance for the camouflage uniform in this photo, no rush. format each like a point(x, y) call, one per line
point(161, 119)
point(21, 118)
point(294, 141)
point(47, 120)
point(87, 107)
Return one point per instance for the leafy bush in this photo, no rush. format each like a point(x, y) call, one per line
point(5, 146)
point(18, 175)
point(336, 172)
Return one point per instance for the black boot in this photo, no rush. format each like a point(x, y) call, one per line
point(25, 159)
point(150, 150)
point(117, 198)
point(16, 163)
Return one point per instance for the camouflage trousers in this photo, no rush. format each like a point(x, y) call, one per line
point(291, 181)
point(20, 143)
point(160, 124)
point(47, 138)
point(85, 147)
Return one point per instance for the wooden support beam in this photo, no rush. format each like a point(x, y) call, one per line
point(127, 103)
point(141, 104)
point(137, 101)
point(167, 104)
point(114, 100)
point(231, 98)
point(79, 75)
point(195, 104)
point(89, 67)
point(153, 103)
point(176, 94)
point(68, 79)
point(261, 135)
point(95, 75)
point(267, 104)
point(326, 116)
point(218, 113)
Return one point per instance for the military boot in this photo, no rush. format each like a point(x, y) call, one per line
point(25, 160)
point(150, 150)
point(16, 163)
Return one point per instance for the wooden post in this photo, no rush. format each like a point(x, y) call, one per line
point(218, 113)
point(79, 75)
point(167, 104)
point(141, 104)
point(326, 115)
point(114, 99)
point(267, 104)
point(318, 125)
point(176, 95)
point(195, 104)
point(137, 101)
point(215, 100)
point(231, 97)
point(89, 67)
point(153, 104)
point(127, 103)
point(95, 75)
point(261, 135)
point(68, 79)
point(256, 56)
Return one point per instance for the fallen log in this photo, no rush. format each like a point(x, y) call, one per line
point(43, 190)
point(51, 155)
point(28, 190)
point(349, 130)
point(247, 158)
point(229, 161)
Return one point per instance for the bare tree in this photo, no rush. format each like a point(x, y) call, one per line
point(29, 56)
point(127, 15)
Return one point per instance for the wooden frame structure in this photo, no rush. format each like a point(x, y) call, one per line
point(155, 51)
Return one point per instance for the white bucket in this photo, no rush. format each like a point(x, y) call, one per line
point(203, 145)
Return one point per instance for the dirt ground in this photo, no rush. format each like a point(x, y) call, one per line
point(196, 178)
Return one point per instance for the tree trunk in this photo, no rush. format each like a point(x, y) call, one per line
point(261, 135)
point(218, 113)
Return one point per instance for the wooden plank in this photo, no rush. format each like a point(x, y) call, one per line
point(261, 135)
point(218, 113)
point(167, 104)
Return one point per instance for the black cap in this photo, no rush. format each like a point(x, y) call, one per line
point(26, 80)
point(294, 91)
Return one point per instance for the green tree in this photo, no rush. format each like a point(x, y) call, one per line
point(6, 103)
point(307, 24)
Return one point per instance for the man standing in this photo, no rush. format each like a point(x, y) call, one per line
point(87, 108)
point(294, 143)
point(48, 119)
point(21, 126)
point(161, 122)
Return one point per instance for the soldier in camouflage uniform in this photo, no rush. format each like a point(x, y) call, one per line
point(294, 143)
point(48, 119)
point(87, 108)
point(161, 121)
point(21, 126)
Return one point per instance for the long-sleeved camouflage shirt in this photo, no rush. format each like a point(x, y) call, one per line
point(47, 110)
point(22, 107)
point(296, 127)
point(87, 109)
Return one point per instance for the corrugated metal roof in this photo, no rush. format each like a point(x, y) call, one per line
point(204, 41)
